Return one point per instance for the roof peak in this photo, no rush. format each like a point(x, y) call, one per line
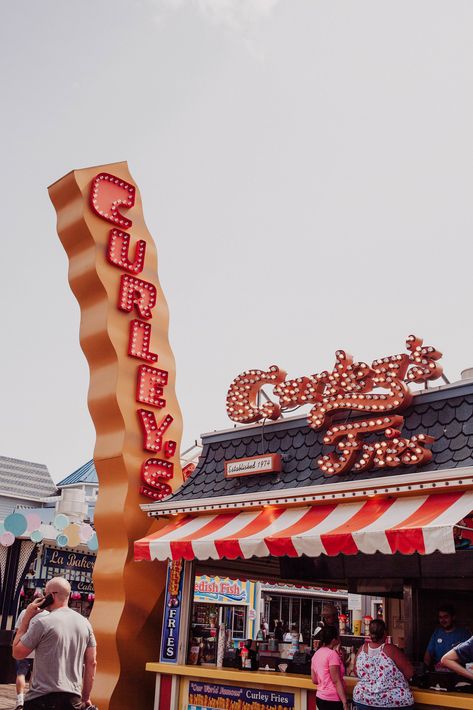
point(84, 474)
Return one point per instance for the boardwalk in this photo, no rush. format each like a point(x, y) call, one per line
point(7, 697)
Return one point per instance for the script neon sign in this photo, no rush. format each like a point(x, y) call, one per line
point(355, 388)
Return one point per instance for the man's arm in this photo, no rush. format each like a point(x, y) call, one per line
point(451, 660)
point(90, 664)
point(19, 650)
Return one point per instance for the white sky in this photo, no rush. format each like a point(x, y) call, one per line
point(306, 170)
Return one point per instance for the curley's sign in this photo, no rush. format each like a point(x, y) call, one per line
point(113, 271)
point(380, 390)
point(108, 194)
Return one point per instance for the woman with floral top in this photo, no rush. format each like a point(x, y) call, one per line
point(383, 671)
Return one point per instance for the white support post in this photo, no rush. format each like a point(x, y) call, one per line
point(157, 689)
point(187, 599)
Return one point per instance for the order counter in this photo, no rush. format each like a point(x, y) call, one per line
point(179, 687)
point(187, 686)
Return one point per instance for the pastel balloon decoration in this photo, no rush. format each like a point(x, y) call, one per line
point(61, 521)
point(36, 536)
point(15, 523)
point(33, 520)
point(62, 540)
point(7, 539)
point(86, 532)
point(73, 534)
point(93, 543)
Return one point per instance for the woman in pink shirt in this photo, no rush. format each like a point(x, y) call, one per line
point(328, 671)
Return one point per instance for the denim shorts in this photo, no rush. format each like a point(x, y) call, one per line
point(24, 666)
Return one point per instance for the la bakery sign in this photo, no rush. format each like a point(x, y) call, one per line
point(356, 405)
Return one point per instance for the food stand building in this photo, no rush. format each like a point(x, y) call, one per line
point(357, 496)
point(403, 534)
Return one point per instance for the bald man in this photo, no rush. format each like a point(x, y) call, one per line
point(65, 652)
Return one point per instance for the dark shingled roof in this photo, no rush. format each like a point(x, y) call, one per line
point(84, 474)
point(446, 414)
point(25, 479)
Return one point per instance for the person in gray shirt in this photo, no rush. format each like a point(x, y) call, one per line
point(65, 652)
point(24, 667)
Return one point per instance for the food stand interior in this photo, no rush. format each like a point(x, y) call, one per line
point(412, 588)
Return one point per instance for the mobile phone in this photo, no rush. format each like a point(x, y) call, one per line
point(47, 601)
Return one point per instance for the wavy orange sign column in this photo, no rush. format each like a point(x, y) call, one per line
point(132, 400)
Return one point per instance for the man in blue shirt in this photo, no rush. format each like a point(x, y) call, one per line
point(445, 637)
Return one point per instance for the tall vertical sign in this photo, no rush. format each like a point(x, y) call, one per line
point(172, 612)
point(132, 400)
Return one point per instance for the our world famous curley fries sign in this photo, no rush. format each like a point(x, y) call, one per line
point(132, 400)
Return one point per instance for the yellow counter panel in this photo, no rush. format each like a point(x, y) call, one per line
point(288, 681)
point(283, 680)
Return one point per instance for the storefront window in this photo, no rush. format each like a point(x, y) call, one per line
point(285, 615)
point(302, 612)
point(226, 612)
point(274, 612)
point(209, 620)
point(306, 619)
point(316, 612)
point(239, 622)
point(295, 613)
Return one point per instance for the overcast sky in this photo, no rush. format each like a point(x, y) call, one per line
point(306, 170)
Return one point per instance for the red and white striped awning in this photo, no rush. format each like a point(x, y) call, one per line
point(420, 524)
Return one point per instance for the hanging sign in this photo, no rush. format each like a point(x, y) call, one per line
point(379, 390)
point(268, 463)
point(221, 590)
point(354, 601)
point(73, 561)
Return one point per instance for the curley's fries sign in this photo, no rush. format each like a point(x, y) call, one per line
point(379, 390)
point(113, 272)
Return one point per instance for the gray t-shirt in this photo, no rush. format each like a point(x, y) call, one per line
point(33, 621)
point(60, 640)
